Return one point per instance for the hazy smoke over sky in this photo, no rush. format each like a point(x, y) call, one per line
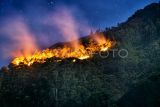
point(22, 41)
point(67, 25)
point(25, 40)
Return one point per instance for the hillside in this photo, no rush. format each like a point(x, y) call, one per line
point(133, 81)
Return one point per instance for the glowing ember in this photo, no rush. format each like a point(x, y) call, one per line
point(84, 57)
point(74, 60)
point(104, 49)
point(97, 43)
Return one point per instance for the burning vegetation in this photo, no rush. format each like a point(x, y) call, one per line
point(76, 50)
point(25, 46)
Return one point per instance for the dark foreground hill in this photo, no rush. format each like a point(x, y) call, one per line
point(133, 81)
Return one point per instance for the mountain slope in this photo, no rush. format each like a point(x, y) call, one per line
point(96, 82)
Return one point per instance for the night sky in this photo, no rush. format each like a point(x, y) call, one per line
point(35, 14)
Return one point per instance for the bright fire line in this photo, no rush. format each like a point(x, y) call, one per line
point(96, 44)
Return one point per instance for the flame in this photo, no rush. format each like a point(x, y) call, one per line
point(22, 42)
point(97, 43)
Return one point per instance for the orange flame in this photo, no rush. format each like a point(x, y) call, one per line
point(22, 40)
point(97, 43)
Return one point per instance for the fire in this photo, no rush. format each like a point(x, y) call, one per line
point(97, 43)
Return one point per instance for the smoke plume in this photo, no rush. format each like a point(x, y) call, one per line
point(68, 25)
point(22, 41)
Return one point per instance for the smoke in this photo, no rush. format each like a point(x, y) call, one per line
point(21, 41)
point(24, 38)
point(66, 23)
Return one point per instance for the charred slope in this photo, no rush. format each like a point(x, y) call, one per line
point(96, 82)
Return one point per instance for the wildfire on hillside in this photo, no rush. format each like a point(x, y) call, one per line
point(97, 43)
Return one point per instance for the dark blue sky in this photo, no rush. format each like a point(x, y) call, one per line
point(97, 13)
